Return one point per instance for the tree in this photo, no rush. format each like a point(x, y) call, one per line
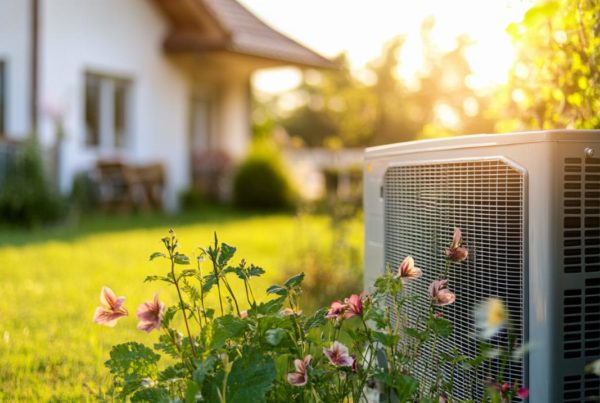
point(555, 82)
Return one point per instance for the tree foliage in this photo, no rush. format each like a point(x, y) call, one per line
point(385, 108)
point(555, 82)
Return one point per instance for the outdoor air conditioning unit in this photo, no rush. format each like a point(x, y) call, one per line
point(528, 205)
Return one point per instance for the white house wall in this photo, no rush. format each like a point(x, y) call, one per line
point(15, 52)
point(235, 116)
point(124, 39)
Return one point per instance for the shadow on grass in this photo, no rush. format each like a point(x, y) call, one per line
point(77, 226)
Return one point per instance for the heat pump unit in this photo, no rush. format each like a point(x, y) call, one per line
point(528, 205)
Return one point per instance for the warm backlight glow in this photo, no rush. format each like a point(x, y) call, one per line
point(361, 28)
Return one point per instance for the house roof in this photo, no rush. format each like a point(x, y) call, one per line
point(226, 25)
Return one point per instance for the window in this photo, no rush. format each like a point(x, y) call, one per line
point(107, 117)
point(2, 98)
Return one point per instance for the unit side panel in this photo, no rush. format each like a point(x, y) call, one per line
point(578, 254)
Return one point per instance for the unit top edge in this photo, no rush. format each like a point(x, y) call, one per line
point(483, 140)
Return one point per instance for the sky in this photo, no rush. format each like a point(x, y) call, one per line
point(362, 27)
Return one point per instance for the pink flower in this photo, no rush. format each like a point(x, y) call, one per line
point(336, 311)
point(150, 314)
point(523, 393)
point(354, 306)
point(243, 314)
point(110, 309)
point(440, 294)
point(407, 269)
point(300, 377)
point(338, 355)
point(456, 252)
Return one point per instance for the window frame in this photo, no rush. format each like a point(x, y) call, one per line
point(3, 98)
point(108, 136)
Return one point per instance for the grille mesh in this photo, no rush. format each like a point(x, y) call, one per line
point(581, 218)
point(579, 388)
point(581, 260)
point(581, 323)
point(423, 204)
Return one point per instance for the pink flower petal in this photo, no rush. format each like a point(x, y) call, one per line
point(108, 298)
point(108, 317)
point(456, 238)
point(150, 314)
point(297, 379)
point(523, 393)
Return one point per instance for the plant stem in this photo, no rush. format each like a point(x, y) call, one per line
point(182, 304)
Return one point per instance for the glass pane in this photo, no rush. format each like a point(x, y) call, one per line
point(92, 110)
point(2, 100)
point(120, 113)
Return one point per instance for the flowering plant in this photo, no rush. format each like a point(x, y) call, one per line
point(243, 349)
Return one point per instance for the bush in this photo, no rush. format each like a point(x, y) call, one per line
point(83, 193)
point(246, 350)
point(26, 199)
point(261, 182)
point(192, 199)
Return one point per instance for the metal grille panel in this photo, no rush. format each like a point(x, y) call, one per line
point(581, 215)
point(486, 199)
point(578, 388)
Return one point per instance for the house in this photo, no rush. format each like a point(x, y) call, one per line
point(138, 80)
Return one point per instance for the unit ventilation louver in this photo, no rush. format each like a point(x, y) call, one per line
point(486, 199)
point(581, 208)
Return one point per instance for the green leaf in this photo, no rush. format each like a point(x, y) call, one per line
point(387, 340)
point(191, 291)
point(440, 326)
point(412, 332)
point(192, 392)
point(157, 255)
point(274, 336)
point(169, 315)
point(226, 254)
point(165, 344)
point(223, 329)
point(275, 289)
point(151, 395)
point(210, 280)
point(377, 316)
point(404, 385)
point(202, 369)
point(269, 307)
point(149, 279)
point(316, 320)
point(187, 273)
point(294, 280)
point(129, 364)
point(180, 258)
point(173, 372)
point(255, 271)
point(252, 375)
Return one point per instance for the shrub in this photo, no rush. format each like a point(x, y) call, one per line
point(26, 199)
point(244, 350)
point(83, 193)
point(261, 182)
point(192, 199)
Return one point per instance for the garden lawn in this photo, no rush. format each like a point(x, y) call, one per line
point(50, 284)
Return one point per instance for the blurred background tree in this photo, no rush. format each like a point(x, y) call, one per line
point(379, 107)
point(555, 82)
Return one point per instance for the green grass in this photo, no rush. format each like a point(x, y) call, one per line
point(51, 279)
